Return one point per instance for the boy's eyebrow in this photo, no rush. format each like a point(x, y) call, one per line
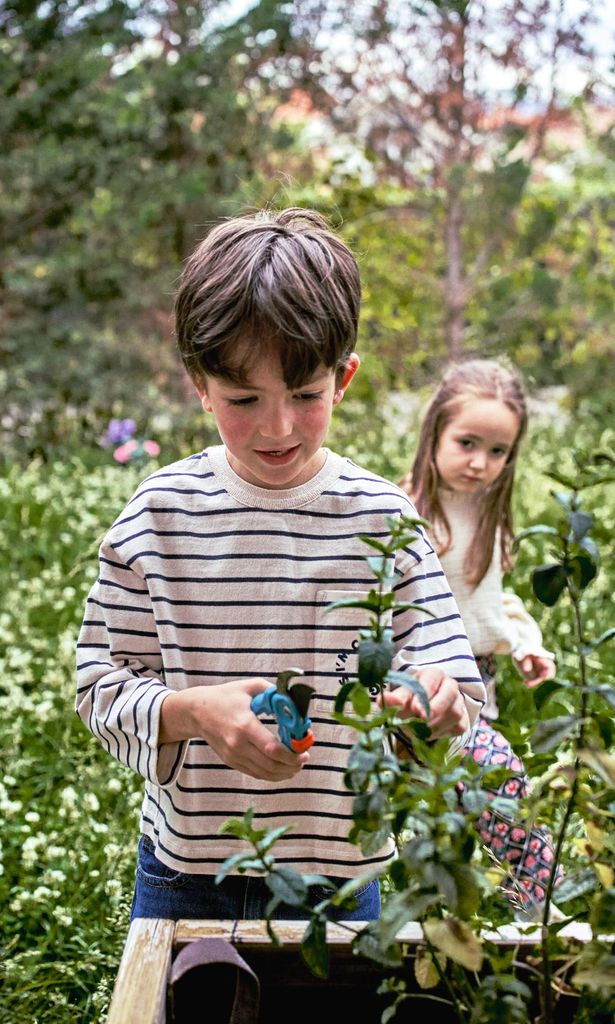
point(253, 387)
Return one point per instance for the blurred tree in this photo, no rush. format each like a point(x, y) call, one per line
point(127, 128)
point(453, 101)
point(550, 301)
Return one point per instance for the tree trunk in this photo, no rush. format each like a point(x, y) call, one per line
point(455, 297)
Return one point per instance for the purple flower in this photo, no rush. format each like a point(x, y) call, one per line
point(118, 431)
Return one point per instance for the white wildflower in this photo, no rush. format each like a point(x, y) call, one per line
point(91, 802)
point(69, 797)
point(54, 875)
point(30, 849)
point(62, 917)
point(54, 852)
point(113, 889)
point(42, 893)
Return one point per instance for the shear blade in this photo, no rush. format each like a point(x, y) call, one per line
point(301, 694)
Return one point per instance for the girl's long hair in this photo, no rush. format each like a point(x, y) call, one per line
point(462, 382)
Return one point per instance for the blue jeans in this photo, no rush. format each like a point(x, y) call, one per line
point(163, 892)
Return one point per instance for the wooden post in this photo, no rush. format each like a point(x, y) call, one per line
point(141, 984)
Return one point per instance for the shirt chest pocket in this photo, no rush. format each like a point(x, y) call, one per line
point(337, 642)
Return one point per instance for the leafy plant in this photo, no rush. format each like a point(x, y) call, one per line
point(413, 788)
point(584, 735)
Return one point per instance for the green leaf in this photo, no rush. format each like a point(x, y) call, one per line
point(600, 974)
point(468, 892)
point(580, 524)
point(314, 949)
point(577, 883)
point(378, 564)
point(352, 886)
point(375, 659)
point(553, 731)
point(410, 683)
point(361, 700)
point(425, 970)
point(548, 582)
point(600, 762)
point(272, 837)
point(234, 826)
point(457, 940)
point(583, 570)
point(545, 691)
point(369, 605)
point(321, 880)
point(404, 606)
point(370, 946)
point(533, 531)
point(444, 882)
point(474, 802)
point(604, 637)
point(603, 690)
point(591, 547)
point(368, 810)
point(287, 886)
point(372, 842)
point(342, 696)
point(229, 865)
point(378, 545)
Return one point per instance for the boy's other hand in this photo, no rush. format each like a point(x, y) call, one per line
point(535, 669)
point(449, 714)
point(222, 716)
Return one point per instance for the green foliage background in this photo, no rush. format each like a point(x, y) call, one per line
point(127, 129)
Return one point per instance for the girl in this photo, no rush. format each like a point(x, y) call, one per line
point(461, 482)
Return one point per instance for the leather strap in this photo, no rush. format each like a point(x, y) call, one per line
point(193, 983)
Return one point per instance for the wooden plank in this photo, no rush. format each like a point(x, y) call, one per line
point(255, 932)
point(291, 932)
point(140, 988)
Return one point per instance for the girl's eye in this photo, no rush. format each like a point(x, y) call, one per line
point(465, 443)
point(499, 452)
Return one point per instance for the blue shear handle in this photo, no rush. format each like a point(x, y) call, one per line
point(291, 725)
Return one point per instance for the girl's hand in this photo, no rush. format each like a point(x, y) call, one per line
point(448, 711)
point(222, 716)
point(535, 669)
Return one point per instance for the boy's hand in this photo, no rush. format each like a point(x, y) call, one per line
point(535, 669)
point(449, 714)
point(222, 716)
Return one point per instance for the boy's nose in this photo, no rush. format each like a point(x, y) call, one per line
point(276, 423)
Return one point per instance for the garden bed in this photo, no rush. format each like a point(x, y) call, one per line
point(288, 990)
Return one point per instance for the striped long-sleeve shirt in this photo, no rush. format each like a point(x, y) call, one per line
point(205, 578)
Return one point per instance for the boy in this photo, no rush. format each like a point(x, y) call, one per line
point(218, 575)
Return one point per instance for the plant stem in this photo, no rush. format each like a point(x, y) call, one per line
point(547, 996)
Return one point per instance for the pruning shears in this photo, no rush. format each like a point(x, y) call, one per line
point(289, 705)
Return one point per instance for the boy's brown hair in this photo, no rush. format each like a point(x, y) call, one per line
point(280, 280)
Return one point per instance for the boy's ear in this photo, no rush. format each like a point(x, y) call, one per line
point(207, 407)
point(352, 365)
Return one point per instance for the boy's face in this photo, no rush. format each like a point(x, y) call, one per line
point(273, 436)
